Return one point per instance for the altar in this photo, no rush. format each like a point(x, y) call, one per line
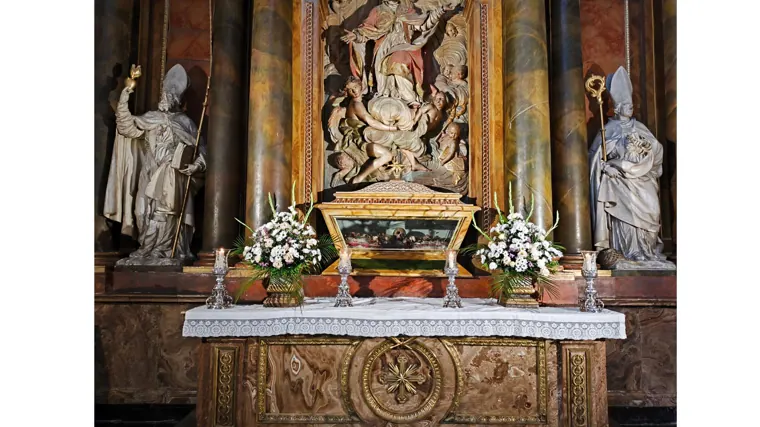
point(389, 361)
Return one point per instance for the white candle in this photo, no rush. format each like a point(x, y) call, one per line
point(345, 257)
point(451, 258)
point(220, 262)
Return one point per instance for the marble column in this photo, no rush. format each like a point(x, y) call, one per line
point(113, 36)
point(526, 108)
point(270, 109)
point(669, 57)
point(226, 125)
point(570, 171)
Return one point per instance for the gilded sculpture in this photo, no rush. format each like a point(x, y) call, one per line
point(395, 79)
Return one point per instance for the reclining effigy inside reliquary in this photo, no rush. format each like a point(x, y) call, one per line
point(397, 228)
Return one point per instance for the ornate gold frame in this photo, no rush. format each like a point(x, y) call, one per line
point(452, 417)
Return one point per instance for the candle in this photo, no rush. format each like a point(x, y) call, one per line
point(345, 257)
point(451, 258)
point(220, 262)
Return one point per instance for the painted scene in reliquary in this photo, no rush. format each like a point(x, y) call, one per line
point(396, 92)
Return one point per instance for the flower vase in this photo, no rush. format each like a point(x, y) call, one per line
point(282, 293)
point(523, 295)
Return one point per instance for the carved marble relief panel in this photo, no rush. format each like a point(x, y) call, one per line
point(394, 381)
point(396, 91)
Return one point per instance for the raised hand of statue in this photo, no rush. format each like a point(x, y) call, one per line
point(124, 96)
point(348, 37)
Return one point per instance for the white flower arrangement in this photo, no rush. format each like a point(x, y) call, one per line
point(284, 242)
point(518, 249)
point(283, 249)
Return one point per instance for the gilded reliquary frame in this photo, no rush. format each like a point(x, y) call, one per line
point(415, 226)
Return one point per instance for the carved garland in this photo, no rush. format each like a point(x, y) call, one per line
point(224, 387)
point(485, 114)
point(308, 111)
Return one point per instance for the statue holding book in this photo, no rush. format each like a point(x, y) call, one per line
point(151, 163)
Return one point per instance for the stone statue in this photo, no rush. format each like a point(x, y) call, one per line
point(625, 203)
point(150, 166)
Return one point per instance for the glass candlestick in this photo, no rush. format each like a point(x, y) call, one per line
point(588, 301)
point(451, 269)
point(343, 299)
point(220, 298)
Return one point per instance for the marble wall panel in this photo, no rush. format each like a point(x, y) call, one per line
point(141, 356)
point(602, 47)
point(641, 370)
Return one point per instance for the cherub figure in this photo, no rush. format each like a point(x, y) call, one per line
point(432, 113)
point(453, 151)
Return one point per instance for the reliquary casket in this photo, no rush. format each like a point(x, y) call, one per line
point(397, 228)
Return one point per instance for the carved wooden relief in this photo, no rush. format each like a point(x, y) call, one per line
point(334, 141)
point(396, 90)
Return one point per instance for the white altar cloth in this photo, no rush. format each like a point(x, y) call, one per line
point(388, 317)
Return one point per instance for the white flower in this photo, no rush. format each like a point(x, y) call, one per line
point(544, 272)
point(492, 266)
point(288, 258)
point(277, 263)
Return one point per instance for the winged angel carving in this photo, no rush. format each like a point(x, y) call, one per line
point(397, 90)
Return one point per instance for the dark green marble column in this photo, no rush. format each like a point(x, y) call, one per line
point(226, 137)
point(570, 171)
point(113, 33)
point(526, 107)
point(270, 109)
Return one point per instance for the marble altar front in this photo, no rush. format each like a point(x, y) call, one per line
point(392, 361)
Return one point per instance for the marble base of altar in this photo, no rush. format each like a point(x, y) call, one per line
point(383, 377)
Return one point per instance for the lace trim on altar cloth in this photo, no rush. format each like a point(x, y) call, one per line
point(479, 318)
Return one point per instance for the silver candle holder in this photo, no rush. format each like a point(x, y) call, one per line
point(451, 269)
point(220, 298)
point(589, 301)
point(344, 299)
